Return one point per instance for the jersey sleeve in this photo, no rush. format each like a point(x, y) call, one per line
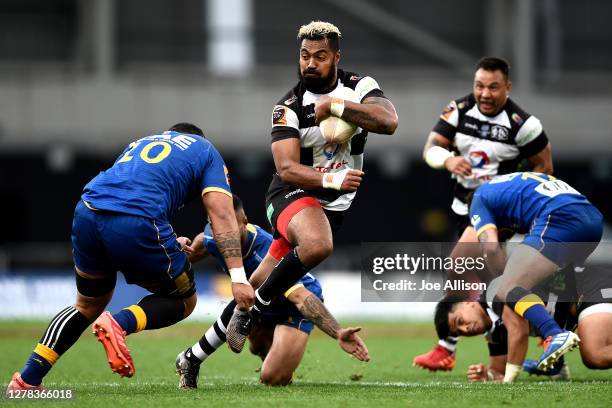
point(481, 217)
point(448, 122)
point(368, 87)
point(531, 138)
point(285, 123)
point(498, 349)
point(215, 176)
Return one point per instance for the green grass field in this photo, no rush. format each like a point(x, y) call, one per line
point(327, 377)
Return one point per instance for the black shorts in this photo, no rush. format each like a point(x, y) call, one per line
point(284, 201)
point(593, 285)
point(461, 223)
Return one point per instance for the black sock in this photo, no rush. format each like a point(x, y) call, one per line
point(162, 311)
point(288, 271)
point(213, 338)
point(63, 331)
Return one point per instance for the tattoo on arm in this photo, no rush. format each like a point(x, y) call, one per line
point(313, 309)
point(228, 244)
point(372, 121)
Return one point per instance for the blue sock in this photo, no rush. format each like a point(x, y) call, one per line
point(541, 320)
point(126, 320)
point(35, 369)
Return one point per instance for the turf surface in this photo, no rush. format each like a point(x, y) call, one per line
point(326, 377)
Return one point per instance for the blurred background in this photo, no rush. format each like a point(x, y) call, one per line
point(80, 79)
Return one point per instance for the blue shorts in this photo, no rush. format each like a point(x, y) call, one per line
point(282, 311)
point(568, 234)
point(144, 250)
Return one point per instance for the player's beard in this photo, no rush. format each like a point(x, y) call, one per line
point(319, 84)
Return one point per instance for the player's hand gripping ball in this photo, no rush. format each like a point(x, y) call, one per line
point(334, 129)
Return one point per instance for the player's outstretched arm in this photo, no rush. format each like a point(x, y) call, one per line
point(286, 153)
point(375, 114)
point(314, 310)
point(222, 217)
point(518, 342)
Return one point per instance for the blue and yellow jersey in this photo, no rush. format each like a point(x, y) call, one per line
point(515, 200)
point(156, 175)
point(257, 244)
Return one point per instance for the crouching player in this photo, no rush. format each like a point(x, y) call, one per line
point(280, 332)
point(506, 333)
point(563, 228)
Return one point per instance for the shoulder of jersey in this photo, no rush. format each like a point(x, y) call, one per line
point(291, 99)
point(349, 79)
point(517, 115)
point(465, 103)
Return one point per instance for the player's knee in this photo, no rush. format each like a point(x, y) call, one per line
point(594, 360)
point(315, 251)
point(90, 307)
point(277, 378)
point(190, 304)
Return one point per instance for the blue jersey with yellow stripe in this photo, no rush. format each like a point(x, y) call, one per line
point(257, 244)
point(515, 200)
point(156, 175)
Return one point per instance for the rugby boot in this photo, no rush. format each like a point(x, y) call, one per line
point(555, 347)
point(438, 359)
point(560, 371)
point(112, 337)
point(238, 329)
point(17, 384)
point(188, 372)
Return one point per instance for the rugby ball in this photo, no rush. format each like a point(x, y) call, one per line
point(334, 129)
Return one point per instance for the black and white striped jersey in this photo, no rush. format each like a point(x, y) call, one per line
point(492, 144)
point(497, 335)
point(293, 117)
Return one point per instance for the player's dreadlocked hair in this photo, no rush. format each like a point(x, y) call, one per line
point(443, 309)
point(319, 30)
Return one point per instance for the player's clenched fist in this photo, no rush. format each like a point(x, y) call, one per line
point(244, 295)
point(347, 180)
point(459, 166)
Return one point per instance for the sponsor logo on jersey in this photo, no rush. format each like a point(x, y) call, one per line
point(475, 219)
point(330, 150)
point(354, 78)
point(333, 166)
point(517, 119)
point(499, 133)
point(478, 159)
point(279, 116)
point(485, 129)
point(291, 100)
